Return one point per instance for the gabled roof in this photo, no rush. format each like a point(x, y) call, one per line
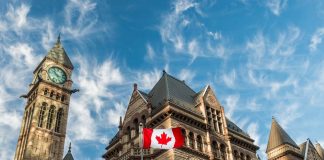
point(58, 54)
point(278, 136)
point(68, 155)
point(176, 91)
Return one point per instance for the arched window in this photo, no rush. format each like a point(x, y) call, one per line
point(184, 134)
point(52, 94)
point(58, 96)
point(241, 155)
point(58, 120)
point(45, 91)
point(41, 114)
point(143, 119)
point(129, 133)
point(199, 143)
point(191, 140)
point(136, 125)
point(50, 117)
point(223, 151)
point(248, 157)
point(215, 148)
point(63, 98)
point(236, 155)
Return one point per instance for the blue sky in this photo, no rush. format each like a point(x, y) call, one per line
point(263, 58)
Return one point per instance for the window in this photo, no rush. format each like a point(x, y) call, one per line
point(50, 117)
point(45, 91)
point(223, 151)
point(41, 114)
point(58, 96)
point(199, 143)
point(191, 140)
point(52, 94)
point(63, 98)
point(58, 120)
point(136, 125)
point(129, 133)
point(184, 134)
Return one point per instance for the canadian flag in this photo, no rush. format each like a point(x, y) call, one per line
point(162, 138)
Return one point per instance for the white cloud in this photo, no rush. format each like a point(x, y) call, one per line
point(186, 74)
point(229, 79)
point(253, 131)
point(150, 53)
point(276, 6)
point(18, 16)
point(95, 82)
point(183, 5)
point(22, 53)
point(147, 80)
point(230, 105)
point(285, 44)
point(113, 114)
point(316, 39)
point(215, 35)
point(287, 113)
point(80, 19)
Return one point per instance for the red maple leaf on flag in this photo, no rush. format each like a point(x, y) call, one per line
point(163, 139)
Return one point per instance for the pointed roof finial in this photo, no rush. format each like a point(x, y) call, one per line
point(58, 39)
point(120, 121)
point(69, 147)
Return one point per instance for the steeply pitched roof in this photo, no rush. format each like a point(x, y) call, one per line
point(232, 126)
point(278, 136)
point(68, 155)
point(171, 89)
point(58, 54)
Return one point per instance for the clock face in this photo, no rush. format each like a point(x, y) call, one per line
point(57, 75)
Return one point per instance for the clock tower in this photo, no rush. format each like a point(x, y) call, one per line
point(44, 122)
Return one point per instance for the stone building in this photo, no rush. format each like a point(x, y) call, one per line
point(171, 103)
point(43, 127)
point(282, 147)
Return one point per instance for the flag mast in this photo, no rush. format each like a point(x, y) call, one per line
point(141, 139)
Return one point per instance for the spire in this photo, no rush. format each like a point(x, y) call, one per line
point(68, 155)
point(120, 123)
point(58, 41)
point(278, 136)
point(70, 148)
point(58, 54)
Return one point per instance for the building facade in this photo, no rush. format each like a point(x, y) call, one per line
point(44, 122)
point(208, 133)
point(282, 147)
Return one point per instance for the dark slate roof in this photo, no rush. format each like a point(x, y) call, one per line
point(176, 91)
point(68, 155)
point(231, 125)
point(145, 96)
point(58, 54)
point(278, 136)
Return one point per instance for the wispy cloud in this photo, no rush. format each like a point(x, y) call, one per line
point(150, 53)
point(276, 6)
point(229, 78)
point(80, 19)
point(316, 39)
point(146, 80)
point(230, 105)
point(253, 131)
point(186, 74)
point(18, 15)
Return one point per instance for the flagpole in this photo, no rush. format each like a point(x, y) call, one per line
point(141, 139)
